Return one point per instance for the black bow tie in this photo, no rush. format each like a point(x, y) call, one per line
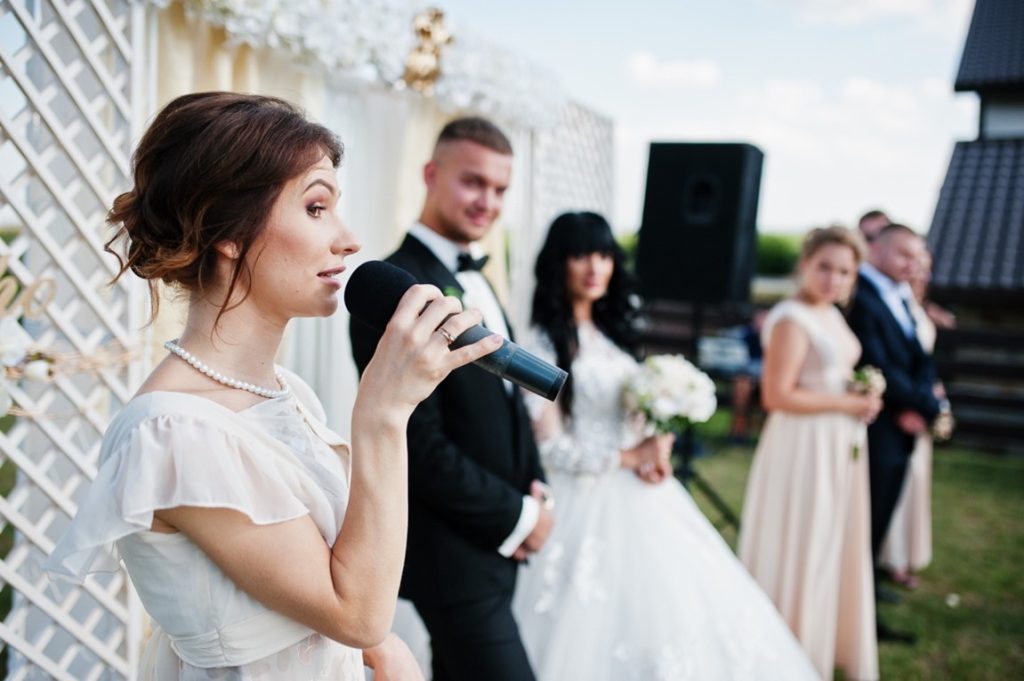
point(468, 262)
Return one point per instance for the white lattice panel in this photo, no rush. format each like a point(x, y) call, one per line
point(573, 164)
point(570, 167)
point(69, 106)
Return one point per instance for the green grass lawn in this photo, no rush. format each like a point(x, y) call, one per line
point(978, 535)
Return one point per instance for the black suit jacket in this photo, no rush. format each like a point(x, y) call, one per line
point(471, 459)
point(908, 369)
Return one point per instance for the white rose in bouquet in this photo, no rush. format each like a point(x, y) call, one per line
point(867, 380)
point(670, 392)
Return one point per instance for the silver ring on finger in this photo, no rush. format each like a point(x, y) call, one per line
point(448, 337)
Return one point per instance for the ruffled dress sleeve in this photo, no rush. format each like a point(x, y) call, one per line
point(170, 449)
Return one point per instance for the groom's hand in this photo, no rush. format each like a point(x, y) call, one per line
point(545, 521)
point(911, 422)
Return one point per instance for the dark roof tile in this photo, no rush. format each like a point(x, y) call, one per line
point(993, 57)
point(977, 232)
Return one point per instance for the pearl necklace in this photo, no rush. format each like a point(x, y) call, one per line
point(200, 366)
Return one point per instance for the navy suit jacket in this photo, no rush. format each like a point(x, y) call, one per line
point(908, 369)
point(472, 457)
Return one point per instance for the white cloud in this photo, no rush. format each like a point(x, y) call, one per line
point(832, 149)
point(647, 69)
point(937, 17)
point(936, 88)
point(853, 12)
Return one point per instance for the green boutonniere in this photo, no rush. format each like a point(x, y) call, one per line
point(455, 292)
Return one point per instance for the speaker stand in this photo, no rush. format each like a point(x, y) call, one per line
point(687, 474)
point(687, 446)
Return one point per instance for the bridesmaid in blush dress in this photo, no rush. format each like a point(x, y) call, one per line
point(806, 533)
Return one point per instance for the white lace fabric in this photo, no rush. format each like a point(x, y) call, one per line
point(589, 443)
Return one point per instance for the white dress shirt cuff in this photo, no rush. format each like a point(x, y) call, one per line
point(527, 521)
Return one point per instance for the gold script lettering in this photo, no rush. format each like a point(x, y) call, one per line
point(28, 301)
point(8, 289)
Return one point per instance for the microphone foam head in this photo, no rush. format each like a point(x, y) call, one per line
point(373, 292)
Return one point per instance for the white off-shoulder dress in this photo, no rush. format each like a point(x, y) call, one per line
point(274, 461)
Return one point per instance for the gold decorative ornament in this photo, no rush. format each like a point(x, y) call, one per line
point(28, 300)
point(423, 65)
point(66, 363)
point(47, 366)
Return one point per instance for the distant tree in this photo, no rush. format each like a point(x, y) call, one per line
point(628, 242)
point(777, 254)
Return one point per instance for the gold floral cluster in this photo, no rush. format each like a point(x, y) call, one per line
point(423, 65)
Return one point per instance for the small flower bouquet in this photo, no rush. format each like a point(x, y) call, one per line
point(867, 380)
point(942, 428)
point(670, 392)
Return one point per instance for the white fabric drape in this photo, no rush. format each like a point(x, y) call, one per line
point(387, 137)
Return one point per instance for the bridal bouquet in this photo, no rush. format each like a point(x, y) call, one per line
point(867, 380)
point(670, 392)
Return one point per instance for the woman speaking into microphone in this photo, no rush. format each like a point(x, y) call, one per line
point(262, 544)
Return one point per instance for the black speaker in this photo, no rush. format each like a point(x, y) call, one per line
point(698, 238)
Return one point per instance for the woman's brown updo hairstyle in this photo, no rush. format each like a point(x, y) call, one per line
point(207, 171)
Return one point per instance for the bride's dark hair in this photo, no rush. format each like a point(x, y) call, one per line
point(573, 234)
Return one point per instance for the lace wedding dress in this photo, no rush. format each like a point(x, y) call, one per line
point(634, 582)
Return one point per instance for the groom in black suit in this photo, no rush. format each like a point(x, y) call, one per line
point(477, 505)
point(880, 317)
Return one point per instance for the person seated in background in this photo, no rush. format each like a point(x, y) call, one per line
point(746, 380)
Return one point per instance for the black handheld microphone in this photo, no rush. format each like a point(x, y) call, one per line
point(373, 292)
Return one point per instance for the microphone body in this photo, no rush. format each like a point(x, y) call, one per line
point(373, 292)
point(515, 363)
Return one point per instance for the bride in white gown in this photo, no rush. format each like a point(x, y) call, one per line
point(634, 582)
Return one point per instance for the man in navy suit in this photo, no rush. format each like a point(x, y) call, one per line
point(880, 317)
point(477, 505)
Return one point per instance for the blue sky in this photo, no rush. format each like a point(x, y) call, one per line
point(851, 100)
